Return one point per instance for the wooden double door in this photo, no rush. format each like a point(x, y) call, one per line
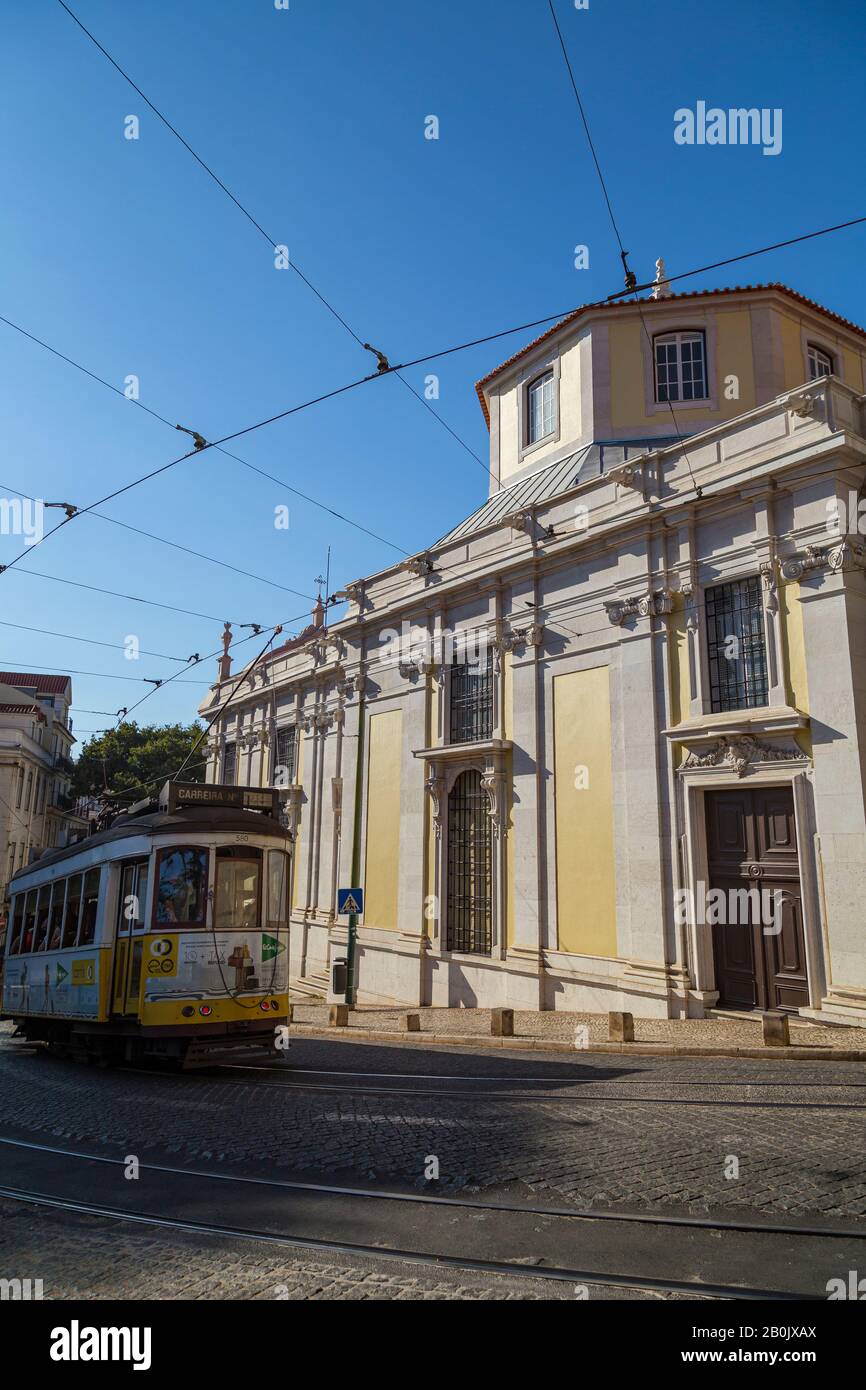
point(760, 957)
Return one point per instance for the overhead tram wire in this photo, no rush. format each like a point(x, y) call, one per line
point(272, 242)
point(174, 545)
point(744, 256)
point(131, 598)
point(630, 278)
point(244, 675)
point(281, 482)
point(91, 641)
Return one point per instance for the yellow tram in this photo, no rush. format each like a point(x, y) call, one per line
point(165, 935)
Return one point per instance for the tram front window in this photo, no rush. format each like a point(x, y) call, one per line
point(238, 889)
point(278, 887)
point(181, 887)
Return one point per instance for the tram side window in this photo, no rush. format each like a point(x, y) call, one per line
point(73, 907)
point(87, 934)
point(55, 928)
point(16, 917)
point(238, 888)
point(43, 910)
point(278, 886)
point(181, 887)
point(29, 922)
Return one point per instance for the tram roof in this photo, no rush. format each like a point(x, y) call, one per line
point(204, 820)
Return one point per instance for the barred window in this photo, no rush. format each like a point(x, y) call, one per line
point(681, 367)
point(471, 701)
point(469, 919)
point(230, 764)
point(285, 753)
point(735, 642)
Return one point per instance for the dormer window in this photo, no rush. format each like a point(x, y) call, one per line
point(680, 367)
point(541, 408)
point(820, 362)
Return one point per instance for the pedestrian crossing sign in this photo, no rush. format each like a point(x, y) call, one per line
point(350, 900)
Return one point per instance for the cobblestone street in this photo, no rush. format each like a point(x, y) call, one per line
point(619, 1133)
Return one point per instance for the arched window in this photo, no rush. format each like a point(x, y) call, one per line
point(540, 411)
point(470, 916)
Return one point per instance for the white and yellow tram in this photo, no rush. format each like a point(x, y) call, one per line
point(165, 935)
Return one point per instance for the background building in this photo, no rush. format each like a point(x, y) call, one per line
point(36, 738)
point(634, 678)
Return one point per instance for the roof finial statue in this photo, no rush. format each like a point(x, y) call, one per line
point(224, 665)
point(661, 287)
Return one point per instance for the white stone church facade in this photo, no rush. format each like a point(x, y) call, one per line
point(625, 695)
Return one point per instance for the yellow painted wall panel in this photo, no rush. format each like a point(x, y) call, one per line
point(794, 655)
point(852, 369)
point(382, 876)
point(296, 847)
point(796, 371)
point(585, 868)
point(678, 657)
point(628, 406)
point(734, 358)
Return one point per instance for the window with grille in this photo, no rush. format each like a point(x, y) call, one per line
point(284, 765)
point(820, 363)
point(681, 367)
point(541, 408)
point(471, 700)
point(230, 764)
point(735, 642)
point(469, 910)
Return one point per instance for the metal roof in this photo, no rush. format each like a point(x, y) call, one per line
point(542, 484)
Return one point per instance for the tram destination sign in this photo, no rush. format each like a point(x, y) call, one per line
point(176, 796)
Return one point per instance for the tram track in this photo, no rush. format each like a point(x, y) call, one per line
point(337, 1219)
point(596, 1098)
point(469, 1203)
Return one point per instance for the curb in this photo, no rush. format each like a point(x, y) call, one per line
point(636, 1049)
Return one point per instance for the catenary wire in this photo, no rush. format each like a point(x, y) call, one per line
point(272, 242)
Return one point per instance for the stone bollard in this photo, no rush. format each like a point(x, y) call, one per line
point(502, 1023)
point(620, 1027)
point(775, 1025)
point(411, 1023)
point(338, 1016)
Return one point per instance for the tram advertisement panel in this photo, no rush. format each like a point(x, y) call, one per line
point(215, 966)
point(65, 985)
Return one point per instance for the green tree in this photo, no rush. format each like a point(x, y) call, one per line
point(134, 754)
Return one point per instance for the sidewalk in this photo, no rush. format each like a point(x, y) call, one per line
point(556, 1031)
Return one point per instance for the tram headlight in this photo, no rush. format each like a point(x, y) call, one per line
point(205, 1010)
point(188, 1011)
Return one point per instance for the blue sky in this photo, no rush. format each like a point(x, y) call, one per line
point(125, 256)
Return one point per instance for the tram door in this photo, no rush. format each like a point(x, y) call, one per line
point(129, 942)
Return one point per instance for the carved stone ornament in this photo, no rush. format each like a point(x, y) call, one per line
point(835, 558)
point(291, 803)
point(419, 565)
point(512, 638)
point(803, 405)
point(741, 752)
point(767, 570)
point(640, 605)
point(436, 786)
point(354, 685)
